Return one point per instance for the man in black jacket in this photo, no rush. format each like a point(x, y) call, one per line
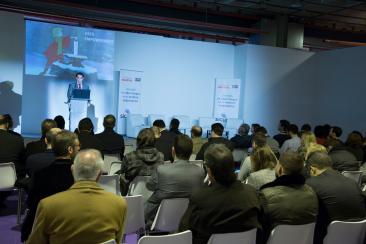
point(113, 142)
point(340, 198)
point(165, 142)
point(54, 178)
point(225, 205)
point(216, 138)
point(86, 136)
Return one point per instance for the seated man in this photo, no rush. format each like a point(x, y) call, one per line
point(340, 198)
point(216, 138)
point(174, 126)
point(223, 206)
point(242, 139)
point(39, 161)
point(86, 136)
point(294, 142)
point(196, 135)
point(85, 213)
point(288, 200)
point(113, 143)
point(176, 180)
point(54, 178)
point(165, 142)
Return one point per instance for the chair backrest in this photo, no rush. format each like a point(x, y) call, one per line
point(108, 159)
point(169, 214)
point(299, 234)
point(178, 238)
point(233, 124)
point(239, 154)
point(135, 220)
point(197, 162)
point(115, 166)
point(152, 117)
point(138, 187)
point(7, 176)
point(110, 183)
point(112, 241)
point(340, 232)
point(354, 175)
point(247, 237)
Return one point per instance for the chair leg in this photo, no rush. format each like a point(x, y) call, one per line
point(20, 201)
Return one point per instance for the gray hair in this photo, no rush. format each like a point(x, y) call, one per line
point(87, 165)
point(243, 129)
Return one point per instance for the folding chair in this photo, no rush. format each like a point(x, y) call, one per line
point(247, 237)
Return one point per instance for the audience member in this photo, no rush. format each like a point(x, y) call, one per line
point(196, 135)
point(272, 143)
point(176, 180)
point(321, 134)
point(216, 138)
point(156, 131)
point(253, 128)
point(283, 135)
point(263, 161)
point(40, 145)
point(340, 198)
point(11, 150)
point(259, 140)
point(60, 121)
point(85, 213)
point(312, 148)
point(288, 200)
point(10, 125)
point(144, 160)
point(242, 140)
point(54, 178)
point(225, 205)
point(305, 128)
point(39, 161)
point(333, 139)
point(294, 143)
point(86, 136)
point(343, 159)
point(165, 143)
point(112, 142)
point(174, 126)
point(307, 139)
point(354, 144)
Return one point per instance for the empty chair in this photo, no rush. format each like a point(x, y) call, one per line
point(247, 237)
point(108, 159)
point(299, 234)
point(135, 123)
point(135, 220)
point(7, 180)
point(340, 232)
point(115, 166)
point(169, 214)
point(354, 175)
point(178, 238)
point(110, 183)
point(138, 187)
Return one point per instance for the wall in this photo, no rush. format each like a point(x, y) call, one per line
point(11, 65)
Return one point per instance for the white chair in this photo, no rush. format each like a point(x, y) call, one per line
point(178, 238)
point(152, 117)
point(135, 219)
point(8, 178)
point(108, 159)
point(299, 234)
point(205, 123)
point(185, 123)
point(199, 163)
point(138, 187)
point(247, 237)
point(135, 123)
point(239, 154)
point(340, 232)
point(169, 214)
point(115, 166)
point(354, 175)
point(232, 126)
point(110, 183)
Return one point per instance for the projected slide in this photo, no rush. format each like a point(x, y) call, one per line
point(59, 50)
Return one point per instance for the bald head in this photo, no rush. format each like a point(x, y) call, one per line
point(87, 165)
point(320, 160)
point(196, 131)
point(109, 121)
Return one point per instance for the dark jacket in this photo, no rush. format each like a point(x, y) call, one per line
point(343, 159)
point(242, 142)
point(281, 138)
point(165, 143)
point(34, 147)
point(39, 161)
point(287, 200)
point(221, 209)
point(53, 179)
point(89, 141)
point(112, 142)
point(12, 150)
point(214, 140)
point(141, 162)
point(340, 198)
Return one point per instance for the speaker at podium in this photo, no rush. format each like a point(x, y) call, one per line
point(78, 101)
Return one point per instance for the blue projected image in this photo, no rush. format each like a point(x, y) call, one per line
point(60, 51)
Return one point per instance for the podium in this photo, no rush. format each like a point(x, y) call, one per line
point(78, 101)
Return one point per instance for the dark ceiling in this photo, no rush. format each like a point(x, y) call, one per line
point(334, 23)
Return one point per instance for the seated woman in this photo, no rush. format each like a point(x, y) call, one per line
point(263, 162)
point(307, 138)
point(142, 161)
